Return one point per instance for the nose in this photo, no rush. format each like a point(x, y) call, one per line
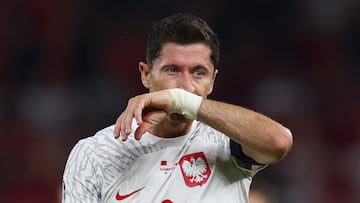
point(186, 82)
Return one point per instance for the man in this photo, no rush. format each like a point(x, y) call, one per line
point(176, 145)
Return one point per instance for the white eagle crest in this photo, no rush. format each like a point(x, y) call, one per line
point(195, 169)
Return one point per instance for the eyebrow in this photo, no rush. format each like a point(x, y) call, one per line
point(193, 67)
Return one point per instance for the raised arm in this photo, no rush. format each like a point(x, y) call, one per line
point(261, 138)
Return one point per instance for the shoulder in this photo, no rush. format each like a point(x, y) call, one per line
point(89, 147)
point(99, 139)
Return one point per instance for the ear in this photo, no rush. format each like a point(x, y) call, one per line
point(145, 74)
point(212, 82)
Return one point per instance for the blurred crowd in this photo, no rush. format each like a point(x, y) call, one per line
point(67, 69)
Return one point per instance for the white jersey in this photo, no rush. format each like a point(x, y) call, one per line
point(197, 167)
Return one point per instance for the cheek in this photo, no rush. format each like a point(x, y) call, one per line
point(163, 84)
point(208, 87)
point(203, 88)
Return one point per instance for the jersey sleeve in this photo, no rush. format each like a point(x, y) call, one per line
point(81, 175)
point(237, 152)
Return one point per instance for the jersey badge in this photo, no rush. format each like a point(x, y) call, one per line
point(195, 169)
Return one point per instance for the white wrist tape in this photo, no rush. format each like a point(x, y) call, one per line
point(185, 103)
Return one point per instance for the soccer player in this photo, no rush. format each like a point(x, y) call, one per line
point(174, 144)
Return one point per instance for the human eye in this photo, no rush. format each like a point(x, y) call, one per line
point(171, 69)
point(199, 73)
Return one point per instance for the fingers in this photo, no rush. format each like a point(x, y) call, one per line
point(150, 120)
point(117, 127)
point(138, 115)
point(137, 108)
point(123, 123)
point(134, 109)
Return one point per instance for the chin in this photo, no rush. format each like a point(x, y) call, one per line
point(178, 118)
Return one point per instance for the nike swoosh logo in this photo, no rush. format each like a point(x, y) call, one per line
point(122, 197)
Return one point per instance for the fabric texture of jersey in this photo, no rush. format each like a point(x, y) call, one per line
point(197, 167)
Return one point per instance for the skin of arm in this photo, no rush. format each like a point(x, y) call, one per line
point(262, 139)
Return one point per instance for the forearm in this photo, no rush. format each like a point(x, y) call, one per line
point(262, 139)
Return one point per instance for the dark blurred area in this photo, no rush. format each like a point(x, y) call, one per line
point(67, 69)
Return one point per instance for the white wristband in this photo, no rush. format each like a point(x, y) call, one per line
point(185, 103)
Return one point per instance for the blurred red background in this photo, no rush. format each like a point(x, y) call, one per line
point(67, 69)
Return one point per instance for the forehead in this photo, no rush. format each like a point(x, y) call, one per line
point(196, 54)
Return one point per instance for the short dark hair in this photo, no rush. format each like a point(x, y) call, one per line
point(181, 28)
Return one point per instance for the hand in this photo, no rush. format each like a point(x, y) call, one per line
point(148, 109)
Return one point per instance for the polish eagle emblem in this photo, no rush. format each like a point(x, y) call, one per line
point(195, 169)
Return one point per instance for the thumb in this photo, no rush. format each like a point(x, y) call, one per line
point(143, 127)
point(150, 120)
